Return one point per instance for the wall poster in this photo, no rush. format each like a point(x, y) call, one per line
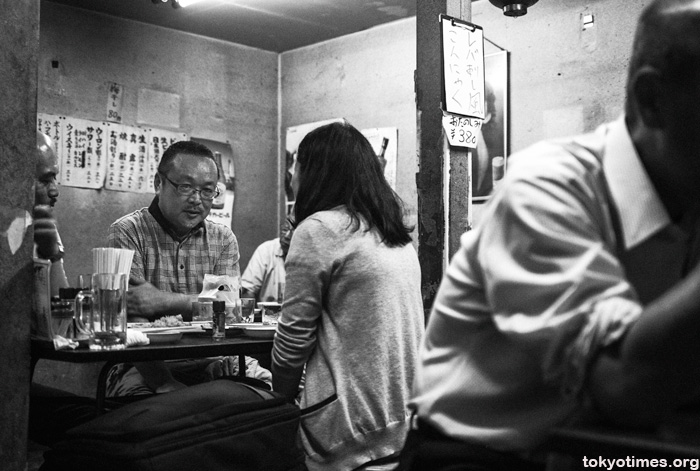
point(384, 141)
point(223, 215)
point(294, 136)
point(97, 154)
point(489, 159)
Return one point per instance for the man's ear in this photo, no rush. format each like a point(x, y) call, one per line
point(648, 90)
point(157, 183)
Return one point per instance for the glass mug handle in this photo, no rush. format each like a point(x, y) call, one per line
point(84, 320)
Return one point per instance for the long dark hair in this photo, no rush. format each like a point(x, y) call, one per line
point(337, 166)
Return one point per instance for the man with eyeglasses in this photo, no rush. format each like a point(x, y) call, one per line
point(175, 246)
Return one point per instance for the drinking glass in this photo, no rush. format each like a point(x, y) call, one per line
point(103, 311)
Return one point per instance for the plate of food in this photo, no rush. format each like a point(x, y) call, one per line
point(165, 324)
point(270, 312)
point(260, 331)
point(166, 336)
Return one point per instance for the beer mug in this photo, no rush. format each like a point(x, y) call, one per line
point(103, 311)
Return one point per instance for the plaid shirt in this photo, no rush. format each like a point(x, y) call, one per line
point(170, 263)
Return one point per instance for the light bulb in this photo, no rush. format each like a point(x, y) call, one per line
point(186, 3)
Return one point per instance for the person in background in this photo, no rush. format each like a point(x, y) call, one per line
point(47, 241)
point(174, 247)
point(174, 244)
point(51, 411)
point(264, 277)
point(578, 296)
point(352, 313)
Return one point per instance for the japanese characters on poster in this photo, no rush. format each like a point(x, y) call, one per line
point(463, 67)
point(82, 156)
point(94, 154)
point(128, 154)
point(158, 141)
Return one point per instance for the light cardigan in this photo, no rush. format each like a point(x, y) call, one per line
point(353, 314)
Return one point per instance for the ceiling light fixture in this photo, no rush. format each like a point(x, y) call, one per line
point(513, 7)
point(183, 3)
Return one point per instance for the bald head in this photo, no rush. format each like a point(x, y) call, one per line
point(668, 39)
point(663, 100)
point(46, 189)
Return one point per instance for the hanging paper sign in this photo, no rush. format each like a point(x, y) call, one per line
point(158, 141)
point(462, 67)
point(127, 156)
point(83, 153)
point(461, 131)
point(115, 98)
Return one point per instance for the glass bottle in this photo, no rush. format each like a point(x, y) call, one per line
point(219, 320)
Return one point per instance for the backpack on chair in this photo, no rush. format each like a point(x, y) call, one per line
point(210, 426)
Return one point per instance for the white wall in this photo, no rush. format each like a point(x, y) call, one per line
point(227, 92)
point(366, 78)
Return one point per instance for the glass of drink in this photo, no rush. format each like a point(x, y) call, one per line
point(103, 311)
point(247, 308)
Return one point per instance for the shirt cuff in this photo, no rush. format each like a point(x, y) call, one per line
point(608, 322)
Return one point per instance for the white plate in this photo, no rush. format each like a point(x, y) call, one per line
point(168, 336)
point(260, 331)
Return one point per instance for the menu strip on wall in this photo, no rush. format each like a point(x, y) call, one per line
point(95, 154)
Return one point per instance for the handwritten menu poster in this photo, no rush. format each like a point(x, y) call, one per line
point(463, 67)
point(52, 126)
point(83, 153)
point(159, 140)
point(94, 154)
point(128, 154)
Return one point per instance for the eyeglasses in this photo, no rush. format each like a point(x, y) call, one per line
point(185, 189)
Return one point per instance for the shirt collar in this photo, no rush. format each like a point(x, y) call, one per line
point(278, 248)
point(640, 210)
point(155, 211)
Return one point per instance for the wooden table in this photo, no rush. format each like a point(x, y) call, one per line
point(190, 346)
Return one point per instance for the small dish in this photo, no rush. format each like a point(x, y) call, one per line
point(260, 331)
point(271, 306)
point(168, 336)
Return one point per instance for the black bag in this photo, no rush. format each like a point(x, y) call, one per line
point(211, 426)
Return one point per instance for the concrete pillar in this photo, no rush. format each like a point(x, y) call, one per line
point(19, 46)
point(434, 153)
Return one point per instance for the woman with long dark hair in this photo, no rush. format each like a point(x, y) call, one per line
point(352, 314)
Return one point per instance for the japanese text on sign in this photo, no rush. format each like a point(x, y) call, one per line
point(462, 131)
point(463, 67)
point(94, 154)
point(115, 99)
